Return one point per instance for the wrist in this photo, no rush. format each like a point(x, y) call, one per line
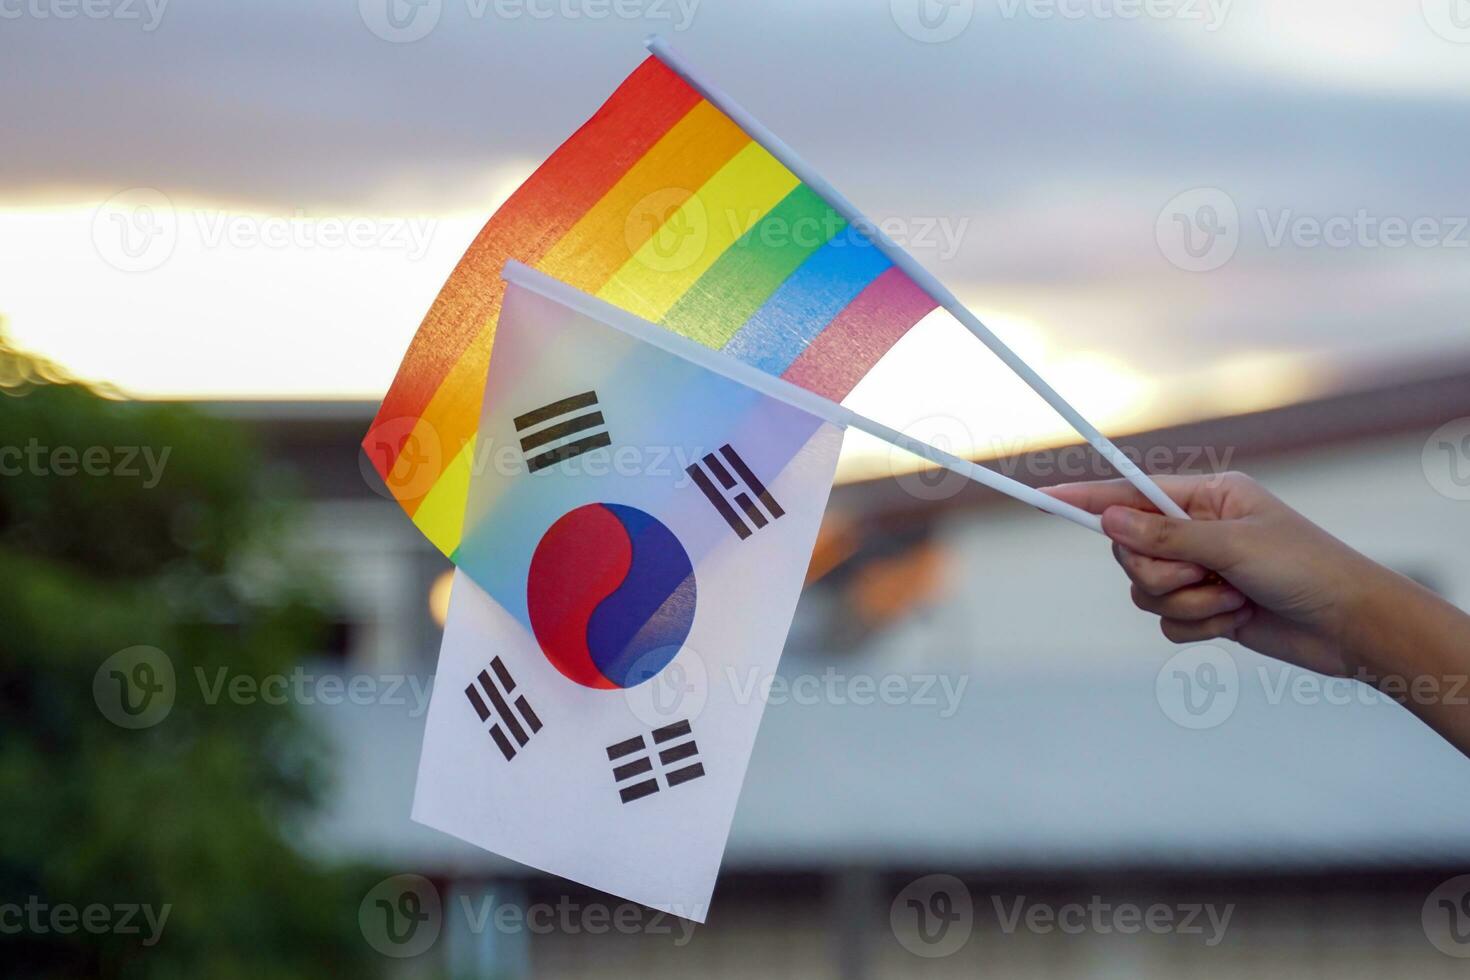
point(1370, 599)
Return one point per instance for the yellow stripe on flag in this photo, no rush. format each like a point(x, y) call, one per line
point(440, 515)
point(699, 232)
point(681, 162)
point(452, 416)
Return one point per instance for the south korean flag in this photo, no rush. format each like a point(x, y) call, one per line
point(640, 521)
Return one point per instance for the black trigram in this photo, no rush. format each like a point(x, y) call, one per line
point(637, 774)
point(712, 464)
point(500, 713)
point(542, 431)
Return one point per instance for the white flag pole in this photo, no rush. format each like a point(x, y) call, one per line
point(774, 387)
point(920, 275)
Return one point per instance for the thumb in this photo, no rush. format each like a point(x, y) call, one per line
point(1212, 544)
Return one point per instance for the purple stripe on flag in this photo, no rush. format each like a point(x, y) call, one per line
point(860, 336)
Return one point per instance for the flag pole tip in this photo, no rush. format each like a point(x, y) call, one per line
point(653, 41)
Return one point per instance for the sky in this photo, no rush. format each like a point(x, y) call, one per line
point(1174, 209)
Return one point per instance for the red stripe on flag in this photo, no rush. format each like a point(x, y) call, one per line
point(849, 346)
point(581, 171)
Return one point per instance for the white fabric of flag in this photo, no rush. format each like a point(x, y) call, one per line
point(639, 526)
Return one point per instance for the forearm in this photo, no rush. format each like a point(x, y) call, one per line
point(1290, 590)
point(1414, 647)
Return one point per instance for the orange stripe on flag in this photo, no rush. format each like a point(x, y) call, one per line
point(652, 189)
point(451, 419)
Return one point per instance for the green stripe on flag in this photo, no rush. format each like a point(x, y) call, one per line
point(751, 269)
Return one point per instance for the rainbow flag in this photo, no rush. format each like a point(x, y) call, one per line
point(661, 205)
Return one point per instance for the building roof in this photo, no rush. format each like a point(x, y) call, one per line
point(1374, 408)
point(329, 432)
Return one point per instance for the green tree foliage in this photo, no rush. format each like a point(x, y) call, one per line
point(197, 812)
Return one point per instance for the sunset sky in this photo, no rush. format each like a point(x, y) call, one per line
point(313, 184)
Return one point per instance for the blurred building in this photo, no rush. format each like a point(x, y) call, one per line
point(1036, 741)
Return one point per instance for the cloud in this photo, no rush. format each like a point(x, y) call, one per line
point(1049, 144)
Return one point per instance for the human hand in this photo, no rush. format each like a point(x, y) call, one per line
point(1246, 567)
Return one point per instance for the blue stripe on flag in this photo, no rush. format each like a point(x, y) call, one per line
point(807, 301)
